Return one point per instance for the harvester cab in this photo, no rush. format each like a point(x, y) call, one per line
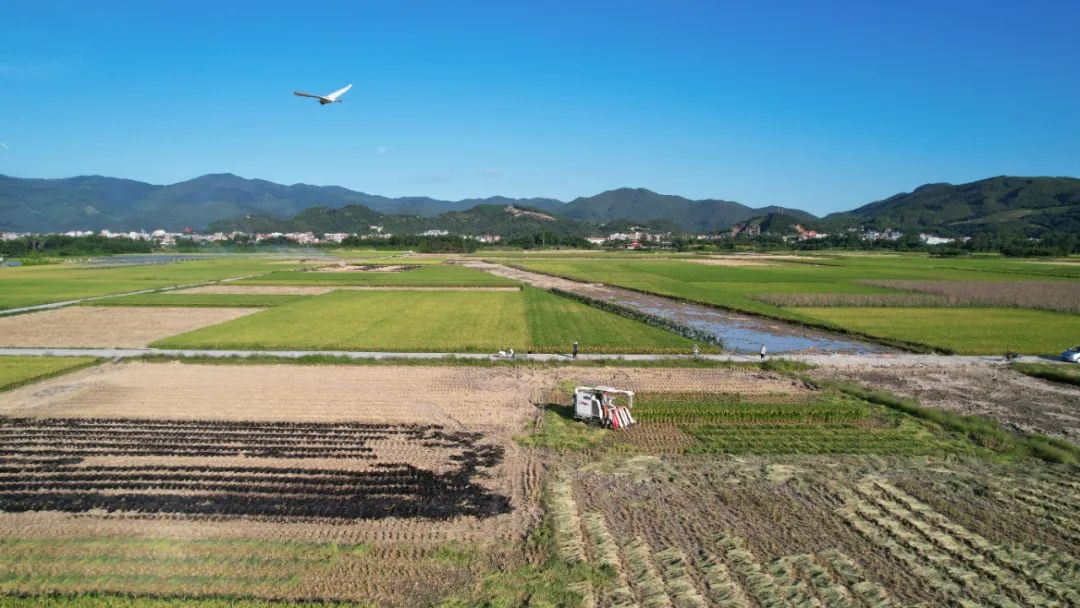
point(602, 404)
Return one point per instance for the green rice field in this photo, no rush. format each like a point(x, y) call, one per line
point(17, 371)
point(438, 321)
point(969, 331)
point(994, 328)
point(30, 285)
point(425, 276)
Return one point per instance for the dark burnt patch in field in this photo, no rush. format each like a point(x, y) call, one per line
point(43, 467)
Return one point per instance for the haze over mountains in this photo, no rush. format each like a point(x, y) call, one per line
point(1035, 205)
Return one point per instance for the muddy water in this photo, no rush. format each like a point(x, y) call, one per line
point(739, 332)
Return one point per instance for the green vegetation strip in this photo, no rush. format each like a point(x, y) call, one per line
point(553, 581)
point(907, 437)
point(17, 371)
point(106, 600)
point(1065, 374)
point(735, 409)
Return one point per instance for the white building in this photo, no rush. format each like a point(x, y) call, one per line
point(931, 239)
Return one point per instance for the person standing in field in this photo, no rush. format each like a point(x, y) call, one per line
point(762, 352)
point(574, 350)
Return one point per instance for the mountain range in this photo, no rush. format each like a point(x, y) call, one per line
point(95, 202)
point(1033, 205)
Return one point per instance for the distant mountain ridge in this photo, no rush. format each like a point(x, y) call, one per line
point(639, 204)
point(96, 202)
point(1035, 206)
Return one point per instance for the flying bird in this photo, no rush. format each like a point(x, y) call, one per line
point(325, 99)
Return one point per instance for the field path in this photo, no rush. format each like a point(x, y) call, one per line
point(854, 361)
point(739, 332)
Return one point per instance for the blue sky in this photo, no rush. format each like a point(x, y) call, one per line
point(818, 105)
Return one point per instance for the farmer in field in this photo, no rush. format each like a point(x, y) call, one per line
point(762, 352)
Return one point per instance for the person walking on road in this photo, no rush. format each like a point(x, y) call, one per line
point(762, 352)
point(574, 353)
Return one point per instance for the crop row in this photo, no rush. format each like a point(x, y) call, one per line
point(750, 412)
point(403, 492)
point(960, 566)
point(41, 469)
point(795, 439)
point(81, 438)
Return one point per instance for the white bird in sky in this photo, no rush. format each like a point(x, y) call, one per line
point(325, 99)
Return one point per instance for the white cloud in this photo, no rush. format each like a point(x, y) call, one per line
point(492, 173)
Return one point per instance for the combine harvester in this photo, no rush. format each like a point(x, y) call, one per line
point(598, 403)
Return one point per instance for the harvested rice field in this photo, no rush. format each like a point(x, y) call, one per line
point(160, 478)
point(108, 326)
point(766, 531)
point(429, 485)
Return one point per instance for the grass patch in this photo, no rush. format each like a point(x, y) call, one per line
point(168, 298)
point(117, 600)
point(560, 432)
point(554, 581)
point(1065, 374)
point(72, 571)
point(426, 276)
point(530, 320)
point(18, 371)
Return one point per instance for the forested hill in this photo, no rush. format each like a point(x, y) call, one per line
point(96, 202)
point(1035, 206)
point(641, 205)
point(507, 221)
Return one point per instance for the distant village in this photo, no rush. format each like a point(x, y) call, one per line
point(635, 238)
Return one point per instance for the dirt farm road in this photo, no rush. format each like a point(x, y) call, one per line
point(823, 360)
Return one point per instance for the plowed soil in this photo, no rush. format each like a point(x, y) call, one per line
point(108, 326)
point(1022, 402)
